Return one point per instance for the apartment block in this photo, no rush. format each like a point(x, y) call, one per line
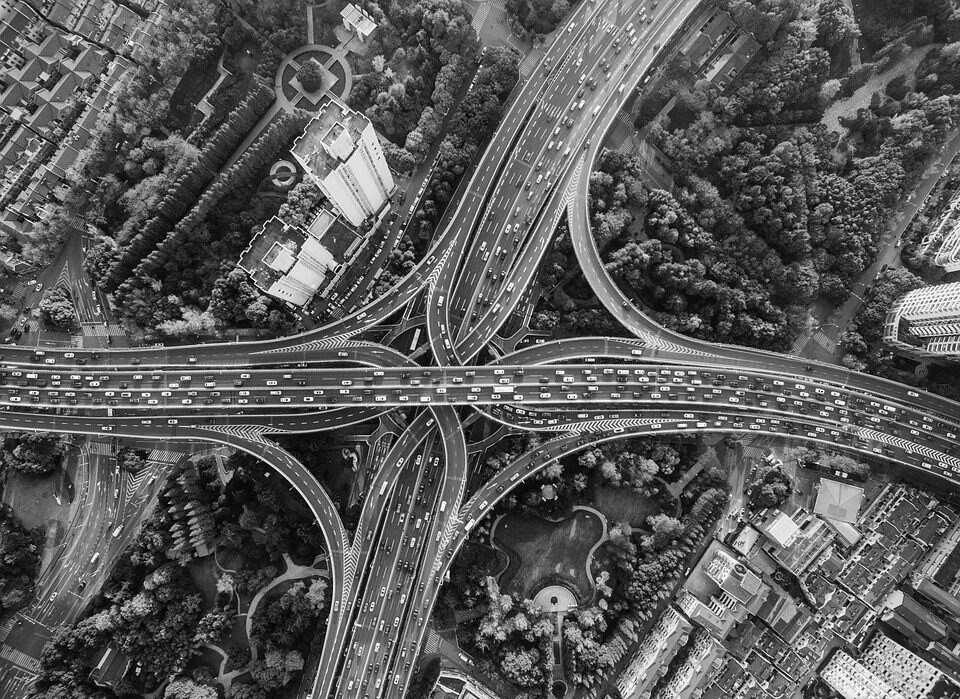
point(341, 153)
point(926, 322)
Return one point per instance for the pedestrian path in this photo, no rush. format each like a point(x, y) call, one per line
point(102, 448)
point(432, 644)
point(19, 658)
point(825, 341)
point(480, 16)
point(164, 456)
point(101, 330)
point(530, 62)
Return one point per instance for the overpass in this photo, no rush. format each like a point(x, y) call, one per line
point(417, 512)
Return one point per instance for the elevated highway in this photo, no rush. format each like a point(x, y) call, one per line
point(417, 513)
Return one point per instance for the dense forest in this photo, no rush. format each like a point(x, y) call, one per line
point(771, 209)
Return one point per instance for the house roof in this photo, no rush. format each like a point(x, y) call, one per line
point(838, 501)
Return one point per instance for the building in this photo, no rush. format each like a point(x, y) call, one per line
point(720, 591)
point(926, 322)
point(704, 657)
point(854, 681)
point(795, 541)
point(358, 21)
point(719, 50)
point(290, 263)
point(653, 656)
point(945, 238)
point(838, 501)
point(901, 668)
point(921, 625)
point(340, 151)
point(940, 597)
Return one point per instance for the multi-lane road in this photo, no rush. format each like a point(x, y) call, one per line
point(417, 512)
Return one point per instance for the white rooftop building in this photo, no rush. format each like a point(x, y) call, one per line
point(358, 21)
point(340, 151)
point(926, 322)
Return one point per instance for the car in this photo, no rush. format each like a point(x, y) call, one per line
point(38, 287)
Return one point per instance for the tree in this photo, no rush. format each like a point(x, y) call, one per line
point(666, 529)
point(32, 452)
point(240, 690)
point(276, 668)
point(20, 552)
point(310, 75)
point(836, 25)
point(57, 307)
point(8, 313)
point(184, 688)
point(214, 626)
point(771, 487)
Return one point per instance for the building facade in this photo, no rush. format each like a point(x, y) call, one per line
point(926, 322)
point(341, 153)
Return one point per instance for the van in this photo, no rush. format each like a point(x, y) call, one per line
point(566, 153)
point(580, 106)
point(549, 147)
point(540, 177)
point(596, 110)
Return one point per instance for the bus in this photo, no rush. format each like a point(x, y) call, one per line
point(96, 557)
point(416, 339)
point(383, 488)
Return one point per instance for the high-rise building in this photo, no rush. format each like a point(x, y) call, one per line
point(900, 667)
point(852, 680)
point(926, 322)
point(340, 151)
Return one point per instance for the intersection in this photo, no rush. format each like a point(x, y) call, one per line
point(386, 576)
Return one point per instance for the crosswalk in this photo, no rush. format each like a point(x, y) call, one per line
point(101, 330)
point(20, 659)
point(5, 629)
point(530, 62)
point(100, 448)
point(480, 16)
point(165, 456)
point(825, 341)
point(432, 643)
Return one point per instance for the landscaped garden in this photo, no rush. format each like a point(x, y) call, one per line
point(541, 550)
point(223, 587)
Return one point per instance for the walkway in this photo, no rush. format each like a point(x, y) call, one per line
point(293, 572)
point(826, 334)
point(336, 55)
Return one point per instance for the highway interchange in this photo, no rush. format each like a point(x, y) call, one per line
point(386, 576)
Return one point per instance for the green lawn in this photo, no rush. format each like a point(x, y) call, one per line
point(539, 548)
point(203, 572)
point(619, 504)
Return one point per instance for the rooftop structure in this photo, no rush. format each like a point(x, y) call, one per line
point(720, 48)
point(290, 263)
point(795, 541)
point(925, 625)
point(943, 240)
point(838, 501)
point(912, 676)
point(926, 322)
point(358, 21)
point(720, 591)
point(854, 681)
point(705, 656)
point(340, 151)
point(654, 653)
point(780, 528)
